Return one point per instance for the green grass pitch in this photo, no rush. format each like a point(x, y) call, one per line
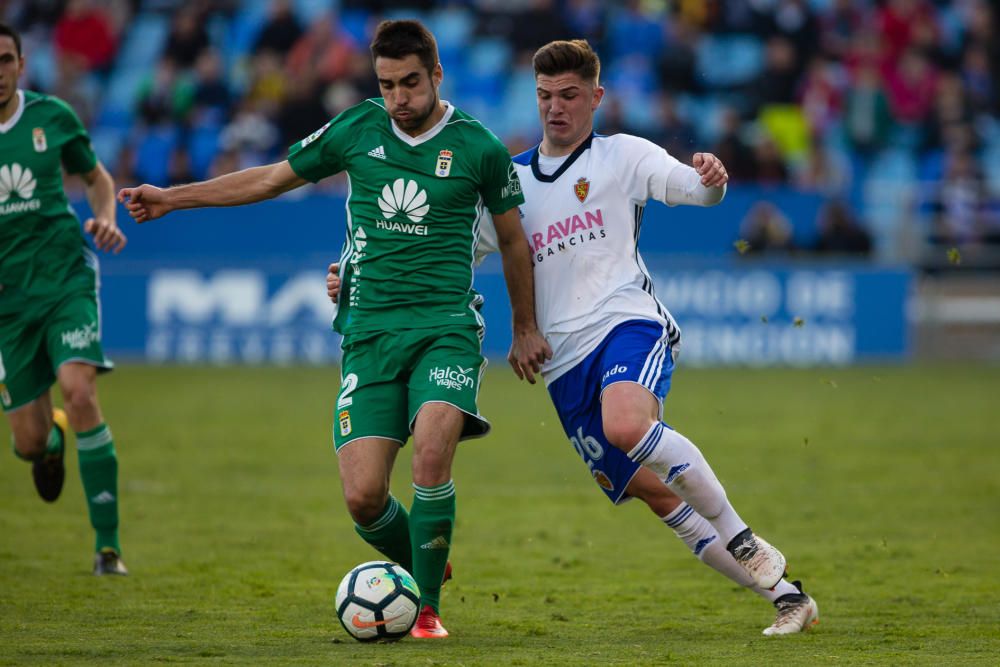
point(881, 485)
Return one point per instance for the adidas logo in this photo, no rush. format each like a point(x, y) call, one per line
point(377, 152)
point(438, 542)
point(103, 498)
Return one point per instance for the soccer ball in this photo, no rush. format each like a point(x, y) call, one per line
point(378, 601)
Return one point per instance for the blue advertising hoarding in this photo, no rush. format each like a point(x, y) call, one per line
point(246, 285)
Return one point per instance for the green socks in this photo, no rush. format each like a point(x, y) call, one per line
point(432, 519)
point(99, 474)
point(390, 534)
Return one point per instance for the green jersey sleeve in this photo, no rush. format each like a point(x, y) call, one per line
point(77, 154)
point(501, 188)
point(322, 153)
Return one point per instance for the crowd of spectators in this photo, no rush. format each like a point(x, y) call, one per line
point(839, 97)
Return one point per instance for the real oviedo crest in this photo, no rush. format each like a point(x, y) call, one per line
point(38, 138)
point(582, 188)
point(443, 163)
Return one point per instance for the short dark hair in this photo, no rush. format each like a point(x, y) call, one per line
point(398, 39)
point(563, 56)
point(6, 30)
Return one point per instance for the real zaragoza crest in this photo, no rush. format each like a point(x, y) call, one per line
point(581, 189)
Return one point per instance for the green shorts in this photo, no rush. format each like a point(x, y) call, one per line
point(387, 377)
point(39, 339)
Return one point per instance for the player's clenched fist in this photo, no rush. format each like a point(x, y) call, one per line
point(710, 168)
point(333, 281)
point(146, 202)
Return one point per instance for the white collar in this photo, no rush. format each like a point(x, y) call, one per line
point(429, 134)
point(12, 121)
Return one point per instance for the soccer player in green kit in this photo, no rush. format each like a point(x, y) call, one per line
point(422, 176)
point(50, 326)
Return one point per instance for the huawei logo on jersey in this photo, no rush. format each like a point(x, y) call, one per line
point(581, 189)
point(18, 180)
point(404, 197)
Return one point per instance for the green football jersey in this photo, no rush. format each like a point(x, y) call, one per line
point(42, 250)
point(413, 214)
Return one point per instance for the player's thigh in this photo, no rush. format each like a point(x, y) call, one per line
point(635, 366)
point(577, 403)
point(26, 370)
point(372, 402)
point(73, 332)
point(449, 370)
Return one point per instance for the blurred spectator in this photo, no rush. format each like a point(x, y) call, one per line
point(251, 136)
point(303, 111)
point(212, 98)
point(281, 31)
point(960, 205)
point(268, 82)
point(84, 36)
point(674, 134)
point(166, 95)
point(821, 95)
point(823, 170)
point(769, 168)
point(839, 231)
point(767, 230)
point(676, 66)
point(734, 152)
point(187, 39)
point(977, 79)
point(867, 117)
point(634, 31)
point(911, 83)
point(794, 21)
point(950, 108)
point(778, 81)
point(324, 49)
point(179, 169)
point(907, 24)
point(837, 26)
point(587, 19)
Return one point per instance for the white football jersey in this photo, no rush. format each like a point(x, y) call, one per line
point(582, 223)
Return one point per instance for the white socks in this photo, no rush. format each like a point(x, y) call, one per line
point(681, 466)
point(704, 542)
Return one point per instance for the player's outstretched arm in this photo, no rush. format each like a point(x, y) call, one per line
point(701, 184)
point(148, 202)
point(101, 197)
point(529, 350)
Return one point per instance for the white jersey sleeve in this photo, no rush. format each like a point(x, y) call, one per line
point(645, 168)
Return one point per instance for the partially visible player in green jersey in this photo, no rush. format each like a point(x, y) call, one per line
point(422, 177)
point(50, 328)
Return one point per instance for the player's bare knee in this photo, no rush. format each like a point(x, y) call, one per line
point(79, 400)
point(365, 505)
point(626, 433)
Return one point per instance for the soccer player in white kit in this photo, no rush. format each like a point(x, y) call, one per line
point(614, 344)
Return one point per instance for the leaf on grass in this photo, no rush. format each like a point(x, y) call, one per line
point(832, 383)
point(742, 246)
point(496, 597)
point(805, 441)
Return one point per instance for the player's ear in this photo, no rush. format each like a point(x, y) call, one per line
point(437, 75)
point(598, 96)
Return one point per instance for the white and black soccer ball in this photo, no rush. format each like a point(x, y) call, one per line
point(378, 601)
